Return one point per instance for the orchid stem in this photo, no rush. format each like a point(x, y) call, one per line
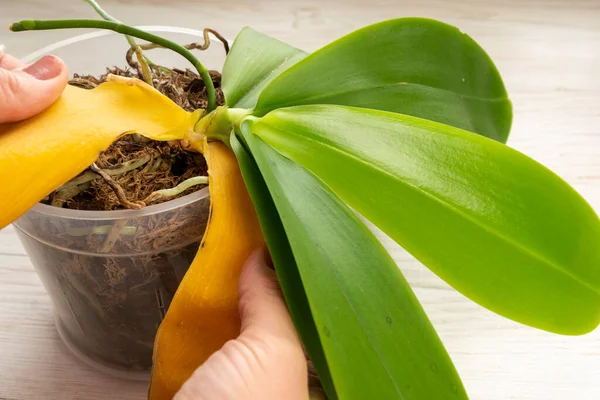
point(146, 73)
point(33, 25)
point(109, 17)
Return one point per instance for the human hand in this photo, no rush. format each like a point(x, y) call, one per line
point(266, 362)
point(27, 90)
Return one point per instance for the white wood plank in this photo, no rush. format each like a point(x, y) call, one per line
point(548, 52)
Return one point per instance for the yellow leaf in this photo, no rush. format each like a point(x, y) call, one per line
point(41, 153)
point(204, 312)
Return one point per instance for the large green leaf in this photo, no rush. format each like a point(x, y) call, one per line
point(377, 340)
point(496, 225)
point(285, 264)
point(412, 66)
point(254, 60)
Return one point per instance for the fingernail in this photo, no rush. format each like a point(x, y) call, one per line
point(47, 67)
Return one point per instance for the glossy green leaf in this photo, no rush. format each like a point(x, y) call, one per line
point(496, 225)
point(377, 340)
point(285, 264)
point(413, 66)
point(254, 60)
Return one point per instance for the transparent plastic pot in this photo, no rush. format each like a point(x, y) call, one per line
point(111, 274)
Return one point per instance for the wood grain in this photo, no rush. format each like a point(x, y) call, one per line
point(548, 52)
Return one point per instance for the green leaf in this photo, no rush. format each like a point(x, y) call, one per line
point(377, 340)
point(285, 264)
point(413, 66)
point(496, 225)
point(254, 60)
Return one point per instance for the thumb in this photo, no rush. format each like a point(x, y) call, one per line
point(27, 91)
point(262, 306)
point(266, 362)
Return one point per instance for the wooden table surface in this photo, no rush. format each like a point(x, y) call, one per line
point(549, 55)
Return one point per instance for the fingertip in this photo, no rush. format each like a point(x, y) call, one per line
point(29, 90)
point(256, 271)
point(262, 306)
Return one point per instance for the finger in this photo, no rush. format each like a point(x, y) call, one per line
point(27, 91)
point(262, 306)
point(9, 62)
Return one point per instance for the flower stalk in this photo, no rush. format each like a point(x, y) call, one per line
point(35, 25)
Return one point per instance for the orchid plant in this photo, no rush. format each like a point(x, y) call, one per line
point(403, 122)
